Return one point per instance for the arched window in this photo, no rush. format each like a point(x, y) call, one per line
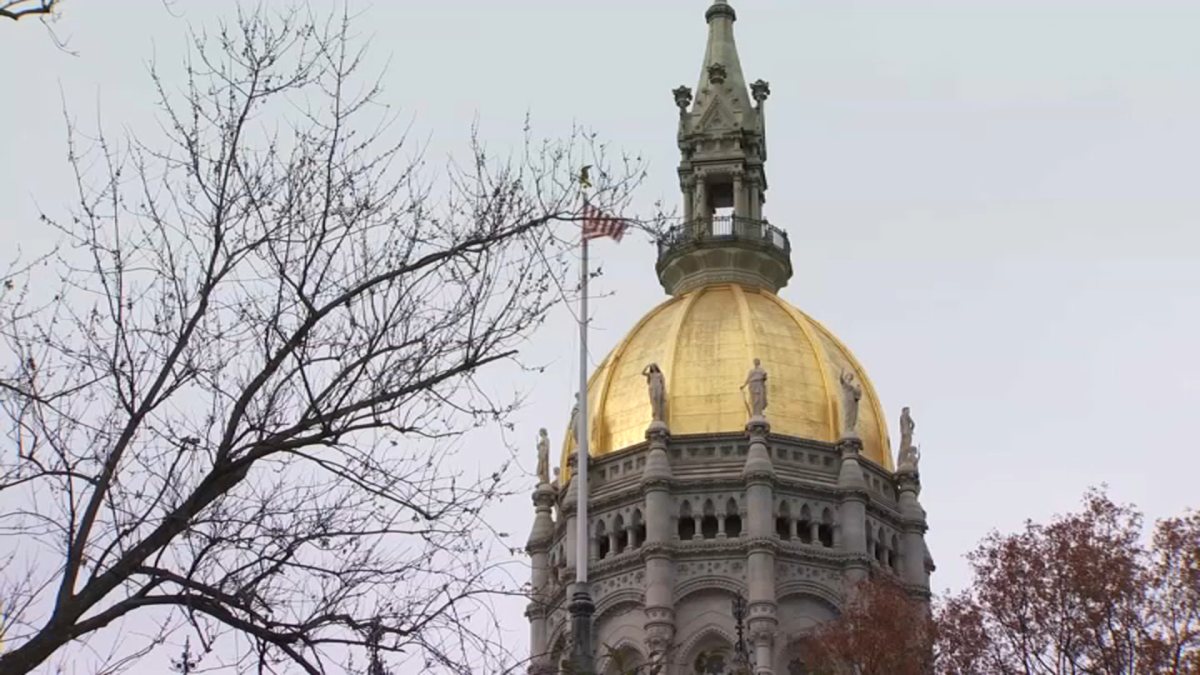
point(806, 527)
point(709, 526)
point(687, 523)
point(622, 535)
point(601, 540)
point(639, 529)
point(798, 666)
point(623, 661)
point(894, 554)
point(733, 519)
point(825, 529)
point(783, 522)
point(881, 547)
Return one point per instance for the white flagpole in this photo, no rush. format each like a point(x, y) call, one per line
point(581, 431)
point(581, 607)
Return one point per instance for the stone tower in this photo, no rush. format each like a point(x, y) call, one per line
point(735, 525)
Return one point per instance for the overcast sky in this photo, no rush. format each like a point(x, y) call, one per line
point(994, 203)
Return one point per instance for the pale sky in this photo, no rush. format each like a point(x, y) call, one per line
point(993, 203)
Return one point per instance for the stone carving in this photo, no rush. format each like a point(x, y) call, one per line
point(756, 380)
point(717, 73)
point(907, 426)
point(851, 394)
point(543, 449)
point(557, 479)
point(760, 90)
point(910, 455)
point(573, 425)
point(683, 98)
point(656, 385)
point(910, 459)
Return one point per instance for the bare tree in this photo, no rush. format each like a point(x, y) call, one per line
point(17, 9)
point(237, 411)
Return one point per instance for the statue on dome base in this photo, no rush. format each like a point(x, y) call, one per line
point(910, 455)
point(543, 464)
point(851, 394)
point(656, 386)
point(756, 380)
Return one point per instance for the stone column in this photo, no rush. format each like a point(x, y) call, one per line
point(657, 550)
point(755, 198)
point(914, 525)
point(538, 610)
point(740, 209)
point(689, 199)
point(701, 212)
point(759, 475)
point(853, 511)
point(568, 510)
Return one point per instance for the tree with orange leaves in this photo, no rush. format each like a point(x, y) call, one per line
point(1085, 594)
point(885, 629)
point(1082, 594)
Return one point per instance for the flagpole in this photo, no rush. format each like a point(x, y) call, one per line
point(581, 524)
point(581, 606)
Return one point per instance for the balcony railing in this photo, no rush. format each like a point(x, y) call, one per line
point(723, 228)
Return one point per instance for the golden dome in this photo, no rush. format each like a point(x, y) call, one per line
point(705, 341)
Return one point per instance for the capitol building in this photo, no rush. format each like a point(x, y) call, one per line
point(741, 476)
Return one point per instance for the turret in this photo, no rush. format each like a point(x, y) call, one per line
point(722, 143)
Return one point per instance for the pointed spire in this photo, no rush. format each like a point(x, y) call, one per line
point(721, 73)
point(722, 145)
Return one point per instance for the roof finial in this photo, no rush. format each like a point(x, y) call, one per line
point(720, 7)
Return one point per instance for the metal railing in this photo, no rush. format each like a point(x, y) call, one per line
point(719, 228)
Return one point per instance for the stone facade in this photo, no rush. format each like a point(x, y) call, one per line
point(680, 526)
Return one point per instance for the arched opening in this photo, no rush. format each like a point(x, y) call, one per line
point(825, 529)
point(733, 519)
point(623, 661)
point(601, 540)
point(805, 527)
point(713, 655)
point(894, 554)
point(687, 523)
point(881, 547)
point(639, 529)
point(622, 535)
point(783, 521)
point(709, 526)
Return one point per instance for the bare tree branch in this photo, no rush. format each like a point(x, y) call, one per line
point(18, 9)
point(238, 411)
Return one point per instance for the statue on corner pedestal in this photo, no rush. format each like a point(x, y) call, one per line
point(756, 381)
point(851, 394)
point(656, 386)
point(543, 464)
point(910, 455)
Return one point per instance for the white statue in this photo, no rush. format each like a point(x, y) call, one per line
point(656, 385)
point(910, 459)
point(906, 429)
point(756, 380)
point(851, 394)
point(573, 425)
point(543, 465)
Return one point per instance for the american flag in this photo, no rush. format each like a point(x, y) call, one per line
point(597, 223)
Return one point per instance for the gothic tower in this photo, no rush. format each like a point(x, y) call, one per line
point(737, 522)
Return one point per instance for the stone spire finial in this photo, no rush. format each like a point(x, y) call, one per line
point(722, 142)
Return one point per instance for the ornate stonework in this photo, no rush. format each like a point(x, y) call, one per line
point(693, 515)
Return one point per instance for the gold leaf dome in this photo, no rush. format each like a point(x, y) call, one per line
point(705, 341)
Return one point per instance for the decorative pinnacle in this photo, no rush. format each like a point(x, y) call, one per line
point(720, 8)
